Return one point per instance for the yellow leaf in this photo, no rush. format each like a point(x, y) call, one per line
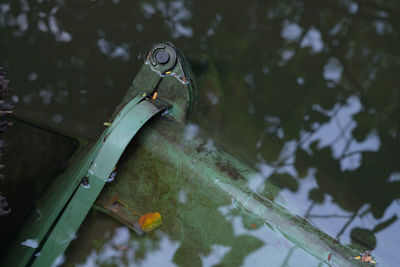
point(150, 221)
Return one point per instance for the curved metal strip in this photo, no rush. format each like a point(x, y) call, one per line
point(124, 111)
point(101, 168)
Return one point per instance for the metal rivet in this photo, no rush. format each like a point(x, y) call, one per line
point(162, 56)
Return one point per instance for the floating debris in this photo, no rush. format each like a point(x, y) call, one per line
point(126, 206)
point(146, 222)
point(329, 256)
point(135, 227)
point(150, 221)
point(365, 257)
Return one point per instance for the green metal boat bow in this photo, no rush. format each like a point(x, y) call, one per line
point(70, 198)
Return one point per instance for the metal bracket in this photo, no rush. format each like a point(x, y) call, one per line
point(166, 71)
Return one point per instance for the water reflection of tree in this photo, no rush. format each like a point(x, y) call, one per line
point(362, 37)
point(279, 81)
point(369, 60)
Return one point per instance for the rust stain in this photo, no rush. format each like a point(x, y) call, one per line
point(230, 170)
point(114, 199)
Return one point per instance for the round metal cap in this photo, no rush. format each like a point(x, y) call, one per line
point(162, 56)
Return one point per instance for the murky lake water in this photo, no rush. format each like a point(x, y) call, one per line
point(309, 90)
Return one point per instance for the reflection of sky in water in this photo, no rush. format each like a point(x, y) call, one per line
point(276, 247)
point(121, 248)
point(333, 70)
point(313, 40)
point(216, 255)
point(114, 51)
point(47, 21)
point(33, 243)
point(291, 32)
point(388, 243)
point(175, 14)
point(337, 134)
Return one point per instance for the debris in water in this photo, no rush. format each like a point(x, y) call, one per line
point(150, 221)
point(364, 257)
point(115, 200)
point(126, 206)
point(329, 256)
point(135, 227)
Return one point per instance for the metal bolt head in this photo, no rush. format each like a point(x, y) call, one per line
point(162, 56)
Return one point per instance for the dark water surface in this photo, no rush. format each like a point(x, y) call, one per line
point(308, 89)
